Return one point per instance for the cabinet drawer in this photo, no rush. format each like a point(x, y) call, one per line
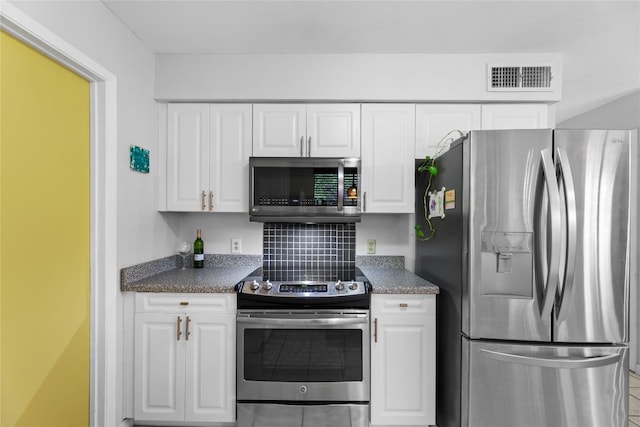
point(185, 303)
point(403, 304)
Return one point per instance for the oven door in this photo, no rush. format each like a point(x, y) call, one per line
point(302, 355)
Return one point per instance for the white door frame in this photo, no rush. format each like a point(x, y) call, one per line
point(104, 271)
point(634, 257)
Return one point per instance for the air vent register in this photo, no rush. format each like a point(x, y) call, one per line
point(520, 78)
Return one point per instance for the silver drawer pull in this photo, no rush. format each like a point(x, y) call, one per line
point(404, 305)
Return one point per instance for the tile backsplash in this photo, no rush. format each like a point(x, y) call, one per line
point(309, 251)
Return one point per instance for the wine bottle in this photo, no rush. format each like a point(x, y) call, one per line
point(198, 251)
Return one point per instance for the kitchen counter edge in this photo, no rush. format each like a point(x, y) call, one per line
point(222, 273)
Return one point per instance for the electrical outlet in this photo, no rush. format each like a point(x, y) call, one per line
point(371, 246)
point(236, 246)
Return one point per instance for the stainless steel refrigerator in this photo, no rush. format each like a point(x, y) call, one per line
point(531, 253)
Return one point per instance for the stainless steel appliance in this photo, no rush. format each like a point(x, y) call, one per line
point(531, 253)
point(305, 189)
point(303, 353)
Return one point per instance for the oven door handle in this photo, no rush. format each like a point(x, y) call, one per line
point(334, 321)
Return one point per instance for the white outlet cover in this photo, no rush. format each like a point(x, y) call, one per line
point(371, 246)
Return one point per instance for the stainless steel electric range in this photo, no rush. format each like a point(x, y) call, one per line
point(303, 353)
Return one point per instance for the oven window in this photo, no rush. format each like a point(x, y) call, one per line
point(307, 355)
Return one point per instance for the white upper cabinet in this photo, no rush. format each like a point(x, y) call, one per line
point(230, 149)
point(515, 116)
point(279, 130)
point(299, 130)
point(435, 121)
point(333, 130)
point(187, 156)
point(208, 149)
point(388, 145)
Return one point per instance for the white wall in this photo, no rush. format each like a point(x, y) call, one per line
point(354, 77)
point(90, 27)
point(142, 233)
point(621, 113)
point(393, 233)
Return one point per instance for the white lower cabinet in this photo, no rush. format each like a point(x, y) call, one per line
point(403, 360)
point(184, 358)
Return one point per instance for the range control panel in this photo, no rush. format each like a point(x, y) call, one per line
point(303, 288)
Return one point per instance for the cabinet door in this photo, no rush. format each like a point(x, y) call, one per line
point(403, 360)
point(333, 130)
point(230, 149)
point(279, 130)
point(159, 367)
point(187, 156)
point(210, 368)
point(435, 121)
point(388, 145)
point(515, 116)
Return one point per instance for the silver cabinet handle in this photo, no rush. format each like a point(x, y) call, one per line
point(210, 200)
point(309, 147)
point(204, 197)
point(564, 297)
point(553, 362)
point(302, 146)
point(404, 305)
point(178, 328)
point(551, 285)
point(375, 330)
point(364, 201)
point(187, 328)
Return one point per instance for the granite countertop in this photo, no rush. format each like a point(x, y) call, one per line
point(220, 275)
point(386, 274)
point(397, 280)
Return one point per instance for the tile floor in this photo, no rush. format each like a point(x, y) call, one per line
point(634, 400)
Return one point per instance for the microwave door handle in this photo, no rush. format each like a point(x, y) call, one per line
point(340, 187)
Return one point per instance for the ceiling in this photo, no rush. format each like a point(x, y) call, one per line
point(591, 35)
point(363, 26)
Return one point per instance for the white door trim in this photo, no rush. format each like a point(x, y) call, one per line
point(104, 271)
point(634, 257)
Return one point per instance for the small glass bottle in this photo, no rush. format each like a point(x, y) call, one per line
point(198, 250)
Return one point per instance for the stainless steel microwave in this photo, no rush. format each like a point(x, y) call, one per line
point(304, 189)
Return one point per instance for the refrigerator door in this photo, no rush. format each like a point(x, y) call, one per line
point(593, 175)
point(514, 235)
point(506, 385)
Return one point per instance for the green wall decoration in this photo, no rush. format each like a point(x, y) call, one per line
point(139, 159)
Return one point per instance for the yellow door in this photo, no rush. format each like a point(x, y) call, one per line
point(44, 240)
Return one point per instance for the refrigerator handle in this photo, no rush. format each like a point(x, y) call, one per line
point(563, 298)
point(551, 285)
point(553, 362)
